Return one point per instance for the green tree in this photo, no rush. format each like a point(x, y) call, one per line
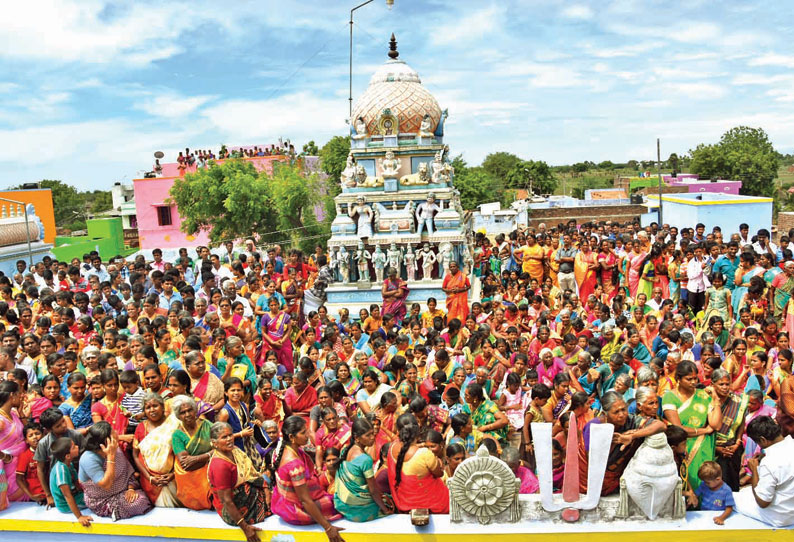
point(606, 164)
point(333, 157)
point(68, 203)
point(228, 201)
point(744, 154)
point(499, 164)
point(99, 201)
point(532, 174)
point(632, 164)
point(476, 185)
point(673, 162)
point(296, 197)
point(310, 149)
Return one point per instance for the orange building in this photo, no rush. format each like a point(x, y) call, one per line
point(41, 198)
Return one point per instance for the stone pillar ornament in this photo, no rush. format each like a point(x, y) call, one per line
point(484, 487)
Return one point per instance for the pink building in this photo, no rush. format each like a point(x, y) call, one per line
point(159, 222)
point(694, 184)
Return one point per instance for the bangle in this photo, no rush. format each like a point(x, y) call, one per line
point(329, 527)
point(111, 461)
point(239, 521)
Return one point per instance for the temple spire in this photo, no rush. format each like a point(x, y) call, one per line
point(393, 53)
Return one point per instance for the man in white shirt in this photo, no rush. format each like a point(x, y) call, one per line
point(770, 497)
point(655, 302)
point(698, 281)
point(764, 245)
point(220, 271)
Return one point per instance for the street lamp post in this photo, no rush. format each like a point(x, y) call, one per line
point(389, 3)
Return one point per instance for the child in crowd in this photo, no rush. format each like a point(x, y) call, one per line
point(27, 469)
point(713, 492)
point(66, 492)
point(132, 400)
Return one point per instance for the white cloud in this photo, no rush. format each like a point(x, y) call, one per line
point(631, 50)
point(172, 105)
point(578, 11)
point(761, 79)
point(695, 91)
point(469, 27)
point(782, 95)
point(773, 59)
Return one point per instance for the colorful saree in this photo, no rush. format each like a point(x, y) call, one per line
point(395, 305)
point(693, 414)
point(635, 261)
point(275, 327)
point(352, 497)
point(193, 489)
point(12, 442)
point(112, 502)
point(417, 490)
point(154, 450)
point(287, 505)
point(246, 483)
point(586, 278)
point(457, 304)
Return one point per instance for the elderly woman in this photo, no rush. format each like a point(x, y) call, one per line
point(235, 363)
point(728, 446)
point(630, 430)
point(699, 413)
point(108, 479)
point(647, 403)
point(191, 446)
point(298, 498)
point(239, 493)
point(205, 385)
point(155, 461)
point(89, 360)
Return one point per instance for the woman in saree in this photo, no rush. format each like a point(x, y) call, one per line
point(292, 290)
point(728, 446)
point(268, 404)
point(585, 266)
point(344, 377)
point(77, 408)
point(648, 273)
point(456, 285)
point(541, 342)
point(165, 354)
point(179, 384)
point(240, 494)
point(699, 413)
point(236, 363)
point(608, 262)
point(109, 483)
point(747, 270)
point(782, 287)
point(636, 260)
point(661, 280)
point(486, 417)
point(394, 292)
point(276, 327)
point(300, 398)
point(415, 473)
point(569, 350)
point(12, 437)
point(191, 447)
point(298, 497)
point(236, 414)
point(674, 270)
point(630, 430)
point(152, 455)
point(560, 400)
point(206, 386)
point(357, 497)
point(110, 409)
point(368, 397)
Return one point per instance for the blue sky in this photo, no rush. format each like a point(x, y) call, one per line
point(90, 89)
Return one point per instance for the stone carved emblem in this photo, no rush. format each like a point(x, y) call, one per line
point(483, 487)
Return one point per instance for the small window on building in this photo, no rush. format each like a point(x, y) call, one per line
point(164, 216)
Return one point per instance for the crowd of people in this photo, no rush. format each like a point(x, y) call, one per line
point(200, 158)
point(203, 383)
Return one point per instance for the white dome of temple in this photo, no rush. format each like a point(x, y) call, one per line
point(397, 87)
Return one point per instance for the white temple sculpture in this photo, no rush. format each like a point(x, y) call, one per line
point(651, 484)
point(485, 489)
point(344, 265)
point(428, 259)
point(379, 262)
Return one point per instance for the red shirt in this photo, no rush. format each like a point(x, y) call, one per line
point(27, 466)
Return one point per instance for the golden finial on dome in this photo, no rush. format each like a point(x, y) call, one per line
point(393, 53)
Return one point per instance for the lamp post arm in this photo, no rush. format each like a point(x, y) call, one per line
point(350, 82)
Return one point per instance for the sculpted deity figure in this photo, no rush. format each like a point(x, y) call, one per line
point(379, 261)
point(389, 166)
point(363, 258)
point(410, 263)
point(362, 214)
point(394, 255)
point(424, 214)
point(428, 259)
point(468, 260)
point(425, 129)
point(349, 173)
point(360, 128)
point(445, 257)
point(344, 265)
point(333, 262)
